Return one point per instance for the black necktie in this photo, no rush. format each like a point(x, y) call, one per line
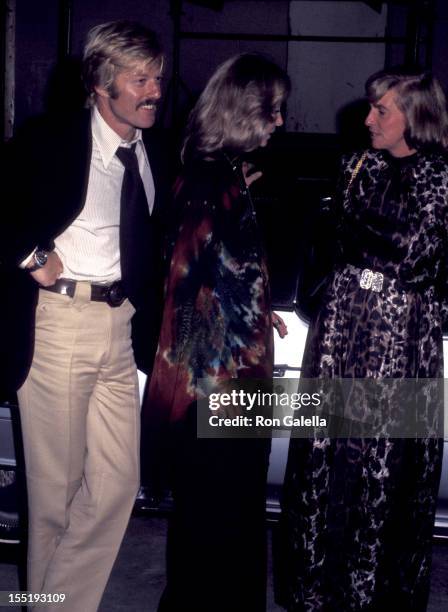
point(134, 228)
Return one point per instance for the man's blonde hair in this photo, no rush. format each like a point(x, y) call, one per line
point(112, 47)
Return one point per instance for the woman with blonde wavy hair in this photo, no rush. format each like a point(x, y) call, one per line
point(217, 325)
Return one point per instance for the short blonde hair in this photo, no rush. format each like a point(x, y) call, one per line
point(420, 98)
point(112, 47)
point(235, 107)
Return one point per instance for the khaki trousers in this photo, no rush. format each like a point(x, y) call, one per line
point(80, 419)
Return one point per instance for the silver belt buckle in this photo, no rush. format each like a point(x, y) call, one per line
point(377, 281)
point(371, 280)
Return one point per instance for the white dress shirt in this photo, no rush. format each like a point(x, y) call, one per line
point(89, 247)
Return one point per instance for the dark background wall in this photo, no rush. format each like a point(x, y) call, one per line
point(40, 29)
point(40, 40)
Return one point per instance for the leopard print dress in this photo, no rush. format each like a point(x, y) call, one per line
point(357, 513)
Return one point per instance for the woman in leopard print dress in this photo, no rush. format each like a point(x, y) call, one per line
point(358, 512)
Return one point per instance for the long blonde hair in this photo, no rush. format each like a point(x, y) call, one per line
point(235, 107)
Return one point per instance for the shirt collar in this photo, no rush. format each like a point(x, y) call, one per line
point(107, 139)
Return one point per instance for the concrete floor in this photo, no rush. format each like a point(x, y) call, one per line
point(138, 576)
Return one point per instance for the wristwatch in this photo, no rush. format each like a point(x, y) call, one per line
point(39, 260)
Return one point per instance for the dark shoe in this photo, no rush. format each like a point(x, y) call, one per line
point(150, 499)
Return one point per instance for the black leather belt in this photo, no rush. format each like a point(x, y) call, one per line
point(112, 294)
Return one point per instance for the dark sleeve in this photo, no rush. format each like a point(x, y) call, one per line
point(17, 238)
point(27, 175)
point(47, 166)
point(426, 257)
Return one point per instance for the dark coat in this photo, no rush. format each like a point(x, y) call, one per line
point(47, 170)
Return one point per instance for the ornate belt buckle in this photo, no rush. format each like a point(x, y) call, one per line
point(365, 282)
point(377, 281)
point(371, 280)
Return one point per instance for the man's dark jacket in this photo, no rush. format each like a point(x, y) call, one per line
point(46, 171)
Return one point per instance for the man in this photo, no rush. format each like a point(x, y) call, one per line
point(80, 256)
